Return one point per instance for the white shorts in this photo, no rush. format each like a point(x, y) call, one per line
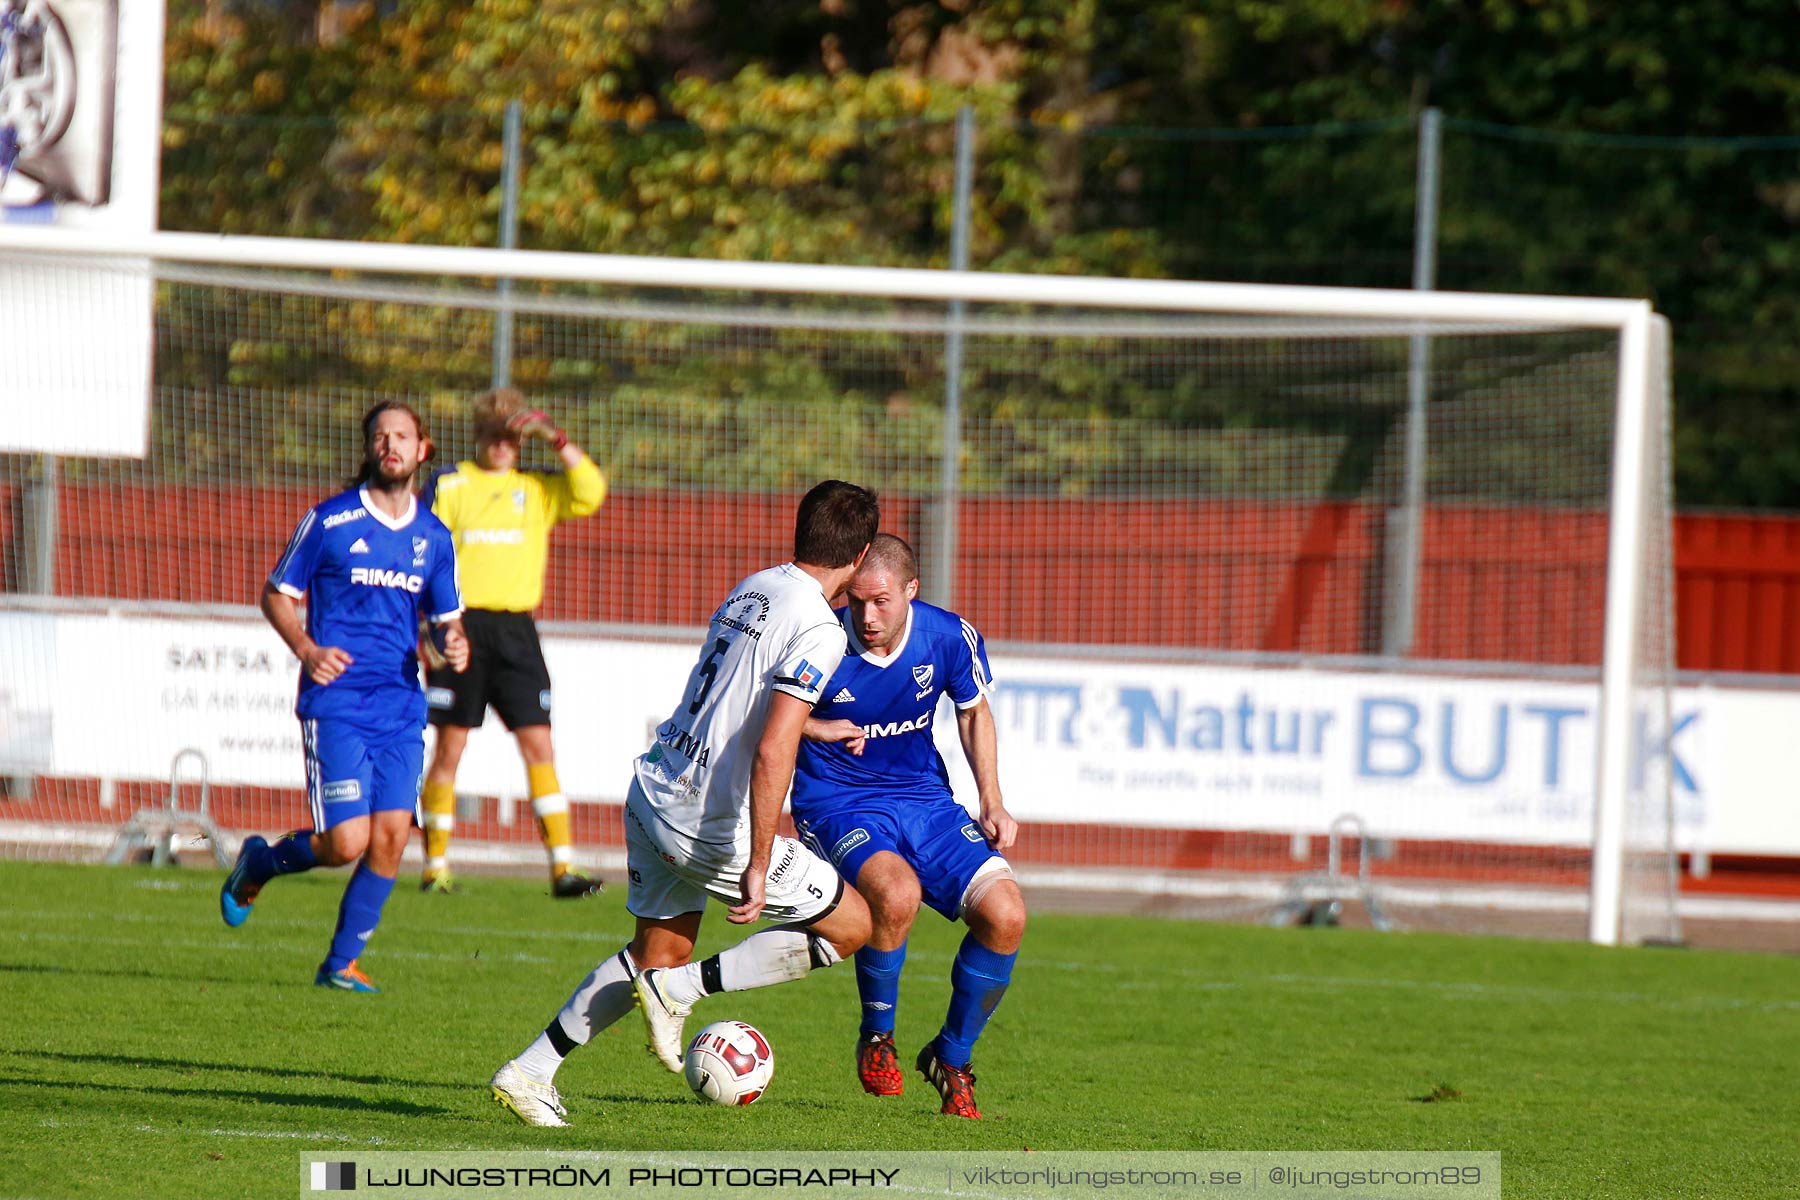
point(671, 873)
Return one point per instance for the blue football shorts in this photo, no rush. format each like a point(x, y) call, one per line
point(938, 839)
point(353, 770)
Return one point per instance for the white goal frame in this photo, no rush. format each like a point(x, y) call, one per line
point(1633, 321)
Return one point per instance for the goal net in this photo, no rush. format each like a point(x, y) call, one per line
point(1294, 596)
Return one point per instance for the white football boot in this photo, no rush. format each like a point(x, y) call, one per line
point(663, 1018)
point(535, 1103)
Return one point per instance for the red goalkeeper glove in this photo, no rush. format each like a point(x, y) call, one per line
point(537, 423)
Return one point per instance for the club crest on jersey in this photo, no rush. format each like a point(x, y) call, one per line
point(519, 499)
point(922, 674)
point(419, 545)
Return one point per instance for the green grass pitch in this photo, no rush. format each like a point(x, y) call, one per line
point(145, 1049)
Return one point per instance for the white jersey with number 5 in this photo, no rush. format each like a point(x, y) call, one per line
point(776, 633)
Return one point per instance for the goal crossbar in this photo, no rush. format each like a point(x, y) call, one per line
point(884, 282)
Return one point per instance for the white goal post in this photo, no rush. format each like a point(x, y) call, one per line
point(1201, 339)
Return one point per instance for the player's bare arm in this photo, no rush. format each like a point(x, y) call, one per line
point(852, 735)
point(452, 643)
point(429, 653)
point(322, 664)
point(770, 776)
point(975, 727)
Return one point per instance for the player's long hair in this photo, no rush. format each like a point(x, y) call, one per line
point(367, 471)
point(836, 520)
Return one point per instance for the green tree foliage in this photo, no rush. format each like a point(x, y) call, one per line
point(1236, 139)
point(252, 121)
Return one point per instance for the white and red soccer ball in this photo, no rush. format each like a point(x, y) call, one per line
point(729, 1063)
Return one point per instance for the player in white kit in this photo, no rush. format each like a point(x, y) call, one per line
point(701, 813)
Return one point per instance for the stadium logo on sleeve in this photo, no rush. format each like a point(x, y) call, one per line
point(336, 519)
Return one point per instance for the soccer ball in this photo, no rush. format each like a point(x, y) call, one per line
point(729, 1063)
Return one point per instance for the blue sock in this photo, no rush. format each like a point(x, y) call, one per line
point(978, 979)
point(878, 983)
point(285, 856)
point(293, 853)
point(259, 864)
point(358, 914)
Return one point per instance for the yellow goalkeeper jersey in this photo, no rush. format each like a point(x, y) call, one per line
point(501, 521)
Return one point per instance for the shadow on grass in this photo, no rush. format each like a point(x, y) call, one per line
point(403, 1108)
point(684, 1098)
point(188, 1064)
point(179, 975)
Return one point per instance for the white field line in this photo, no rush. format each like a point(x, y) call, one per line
point(1516, 899)
point(295, 945)
point(283, 1134)
point(620, 935)
point(1078, 879)
point(1196, 978)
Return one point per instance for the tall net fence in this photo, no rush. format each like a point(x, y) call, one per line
point(1244, 576)
point(1699, 226)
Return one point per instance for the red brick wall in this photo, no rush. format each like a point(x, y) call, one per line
point(1502, 584)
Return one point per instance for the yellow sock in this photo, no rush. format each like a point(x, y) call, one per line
point(552, 810)
point(439, 803)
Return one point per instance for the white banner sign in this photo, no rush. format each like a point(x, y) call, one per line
point(1134, 744)
point(1290, 750)
point(80, 147)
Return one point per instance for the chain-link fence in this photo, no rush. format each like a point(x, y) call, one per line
point(1707, 229)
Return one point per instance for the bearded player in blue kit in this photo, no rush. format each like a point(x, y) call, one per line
point(370, 562)
point(872, 795)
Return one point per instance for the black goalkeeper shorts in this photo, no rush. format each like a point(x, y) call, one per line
point(506, 670)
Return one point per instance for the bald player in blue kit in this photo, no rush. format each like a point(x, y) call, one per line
point(872, 795)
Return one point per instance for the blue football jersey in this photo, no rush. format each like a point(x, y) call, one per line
point(366, 579)
point(895, 700)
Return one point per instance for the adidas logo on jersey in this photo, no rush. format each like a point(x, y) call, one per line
point(843, 697)
point(359, 547)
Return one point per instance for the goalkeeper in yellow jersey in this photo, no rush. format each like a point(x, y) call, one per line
point(500, 517)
